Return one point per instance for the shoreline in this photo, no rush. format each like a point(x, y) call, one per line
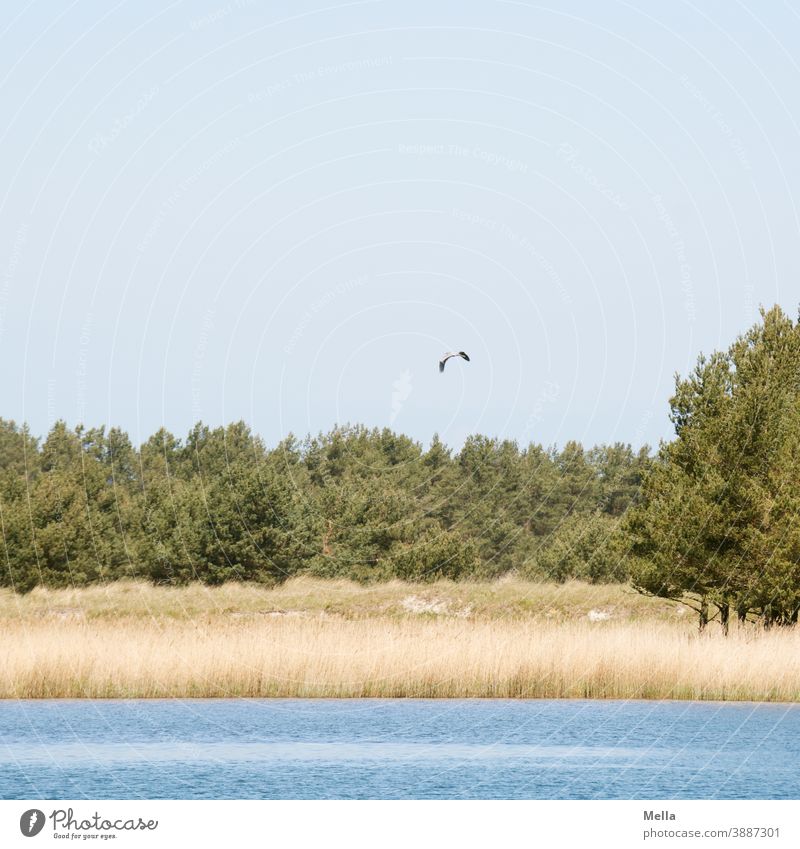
point(362, 699)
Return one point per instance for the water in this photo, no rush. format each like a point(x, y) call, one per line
point(398, 749)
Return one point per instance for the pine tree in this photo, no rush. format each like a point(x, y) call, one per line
point(717, 522)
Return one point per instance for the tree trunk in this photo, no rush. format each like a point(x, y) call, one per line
point(724, 616)
point(703, 615)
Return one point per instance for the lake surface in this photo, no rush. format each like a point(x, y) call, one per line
point(398, 749)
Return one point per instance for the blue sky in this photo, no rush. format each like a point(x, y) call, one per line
point(285, 212)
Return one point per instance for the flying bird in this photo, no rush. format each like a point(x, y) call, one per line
point(446, 357)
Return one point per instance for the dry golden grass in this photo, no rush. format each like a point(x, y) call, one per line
point(318, 639)
point(508, 598)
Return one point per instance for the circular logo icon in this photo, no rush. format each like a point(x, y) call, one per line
point(31, 822)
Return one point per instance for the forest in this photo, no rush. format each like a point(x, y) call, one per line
point(710, 518)
point(369, 505)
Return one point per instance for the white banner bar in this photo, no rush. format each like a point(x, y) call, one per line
point(401, 824)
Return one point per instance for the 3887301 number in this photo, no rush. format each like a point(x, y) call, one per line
point(745, 831)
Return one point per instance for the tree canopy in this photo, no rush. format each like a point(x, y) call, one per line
point(718, 517)
point(86, 505)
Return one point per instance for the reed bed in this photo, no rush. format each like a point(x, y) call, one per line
point(416, 656)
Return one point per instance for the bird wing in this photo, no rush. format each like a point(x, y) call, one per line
point(446, 357)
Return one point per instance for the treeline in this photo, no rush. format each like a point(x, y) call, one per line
point(713, 520)
point(86, 505)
